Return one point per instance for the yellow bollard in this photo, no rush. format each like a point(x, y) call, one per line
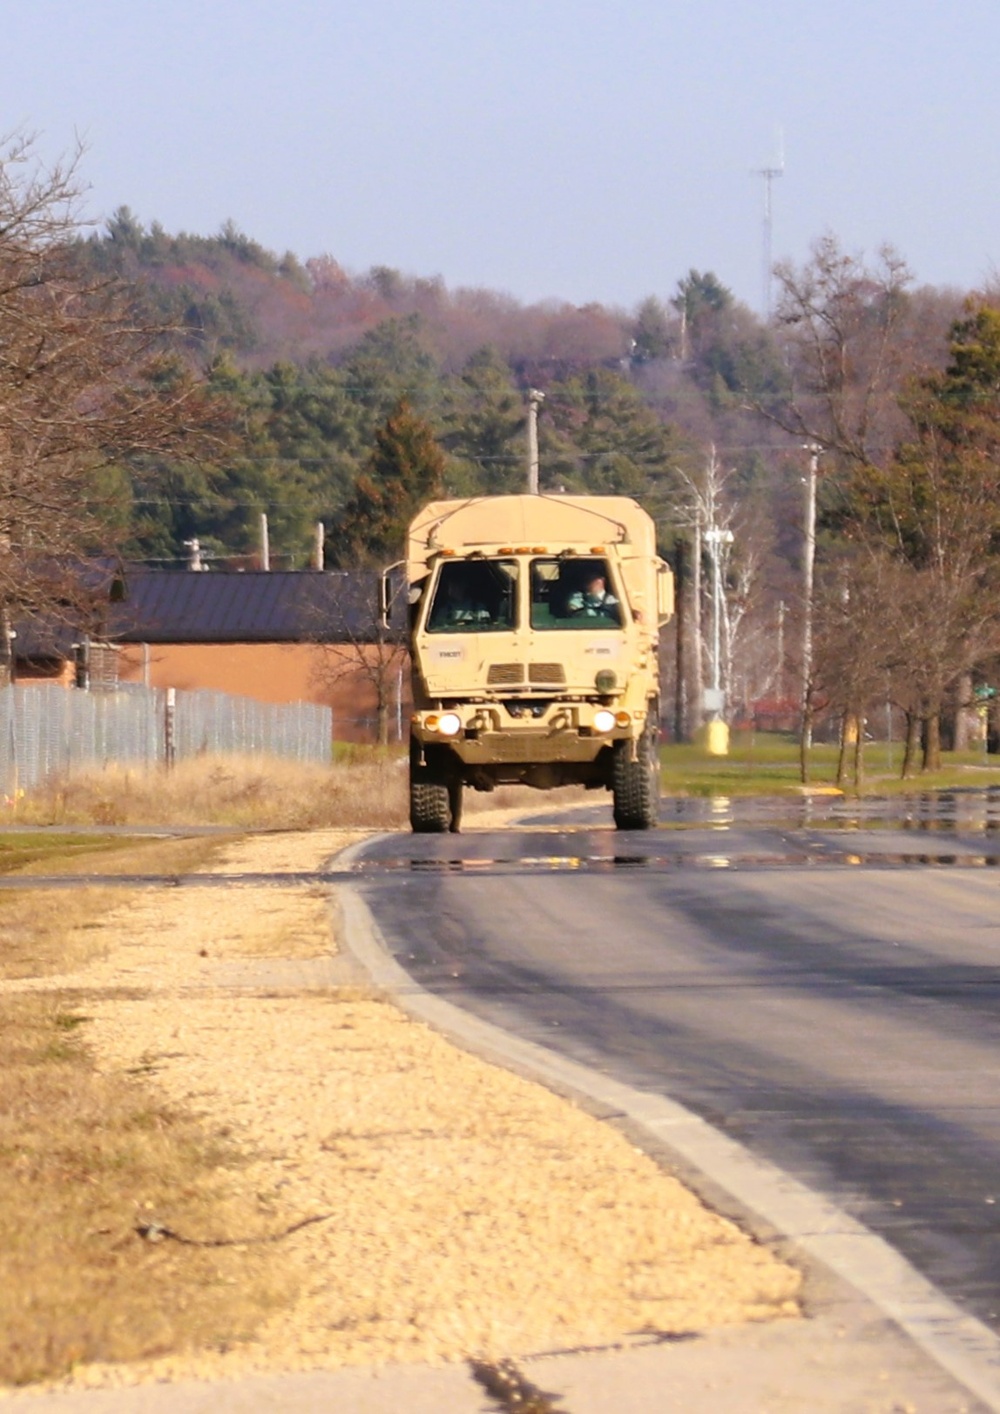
point(717, 738)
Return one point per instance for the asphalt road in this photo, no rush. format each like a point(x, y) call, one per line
point(823, 985)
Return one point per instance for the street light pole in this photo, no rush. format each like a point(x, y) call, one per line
point(717, 732)
point(712, 537)
point(715, 538)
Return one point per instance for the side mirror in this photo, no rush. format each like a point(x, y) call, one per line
point(387, 593)
point(664, 592)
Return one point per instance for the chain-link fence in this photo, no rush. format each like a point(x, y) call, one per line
point(46, 731)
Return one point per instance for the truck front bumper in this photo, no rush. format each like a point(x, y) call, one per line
point(488, 734)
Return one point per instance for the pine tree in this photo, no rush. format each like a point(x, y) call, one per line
point(405, 469)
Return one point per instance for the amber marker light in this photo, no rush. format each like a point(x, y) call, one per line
point(622, 719)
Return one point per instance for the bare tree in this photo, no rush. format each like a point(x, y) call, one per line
point(358, 649)
point(860, 645)
point(950, 626)
point(705, 503)
point(376, 663)
point(82, 386)
point(935, 507)
point(911, 472)
point(843, 326)
point(746, 639)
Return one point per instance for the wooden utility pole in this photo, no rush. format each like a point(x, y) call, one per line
point(808, 573)
point(680, 661)
point(535, 399)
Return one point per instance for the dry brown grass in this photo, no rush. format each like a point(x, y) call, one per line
point(366, 789)
point(45, 931)
point(86, 1159)
point(35, 929)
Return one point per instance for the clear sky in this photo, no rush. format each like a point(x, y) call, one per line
point(572, 149)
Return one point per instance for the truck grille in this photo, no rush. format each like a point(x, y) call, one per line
point(546, 672)
point(504, 674)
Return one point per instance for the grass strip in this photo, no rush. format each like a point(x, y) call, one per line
point(767, 763)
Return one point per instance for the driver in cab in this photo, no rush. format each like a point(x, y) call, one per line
point(594, 600)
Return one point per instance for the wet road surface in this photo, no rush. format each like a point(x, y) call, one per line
point(820, 980)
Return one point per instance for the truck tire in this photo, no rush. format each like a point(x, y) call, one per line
point(430, 813)
point(636, 784)
point(430, 808)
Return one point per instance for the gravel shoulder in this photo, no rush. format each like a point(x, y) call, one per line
point(458, 1210)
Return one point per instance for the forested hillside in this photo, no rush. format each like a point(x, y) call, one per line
point(347, 399)
point(311, 361)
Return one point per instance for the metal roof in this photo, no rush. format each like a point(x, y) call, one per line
point(252, 606)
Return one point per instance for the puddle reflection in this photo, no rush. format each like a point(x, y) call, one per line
point(661, 863)
point(948, 829)
point(972, 811)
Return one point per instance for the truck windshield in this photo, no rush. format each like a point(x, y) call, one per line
point(573, 593)
point(474, 596)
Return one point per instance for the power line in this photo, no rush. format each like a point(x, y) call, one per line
point(220, 498)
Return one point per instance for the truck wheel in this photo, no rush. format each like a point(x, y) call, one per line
point(636, 784)
point(429, 810)
point(429, 805)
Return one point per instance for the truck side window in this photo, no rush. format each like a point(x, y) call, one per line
point(474, 596)
point(573, 593)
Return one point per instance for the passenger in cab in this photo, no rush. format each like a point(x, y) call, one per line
point(458, 607)
point(472, 597)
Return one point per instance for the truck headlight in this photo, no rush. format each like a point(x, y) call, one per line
point(603, 720)
point(605, 681)
point(449, 724)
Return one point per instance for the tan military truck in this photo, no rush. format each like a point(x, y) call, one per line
point(533, 631)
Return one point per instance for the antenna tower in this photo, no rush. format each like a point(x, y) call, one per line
point(768, 174)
